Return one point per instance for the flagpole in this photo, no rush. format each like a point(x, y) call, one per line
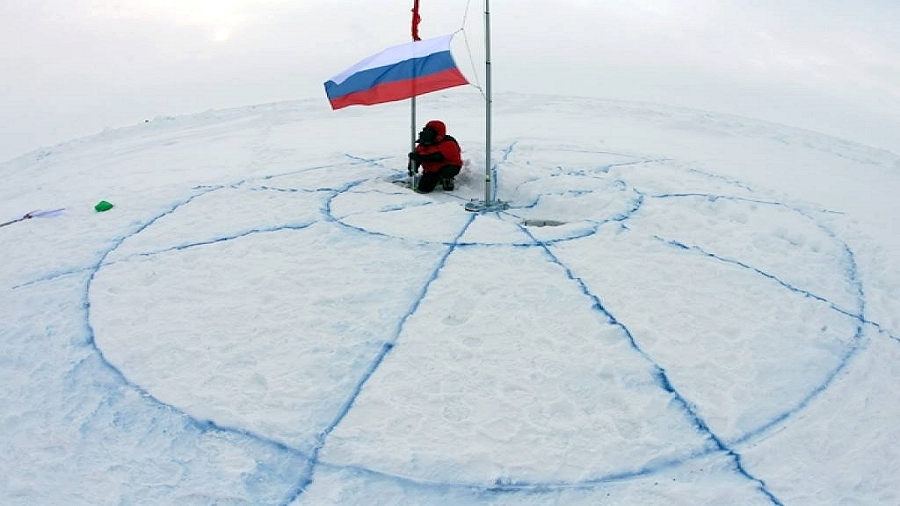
point(413, 126)
point(488, 204)
point(488, 197)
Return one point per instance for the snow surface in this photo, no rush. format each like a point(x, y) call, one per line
point(677, 308)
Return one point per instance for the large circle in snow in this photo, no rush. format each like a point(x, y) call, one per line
point(381, 329)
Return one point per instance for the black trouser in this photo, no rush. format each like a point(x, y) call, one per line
point(429, 180)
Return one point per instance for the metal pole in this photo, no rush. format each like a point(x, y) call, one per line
point(410, 165)
point(412, 126)
point(412, 115)
point(488, 197)
point(488, 204)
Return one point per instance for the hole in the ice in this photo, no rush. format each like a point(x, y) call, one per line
point(543, 223)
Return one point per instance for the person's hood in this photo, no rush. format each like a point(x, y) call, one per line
point(439, 127)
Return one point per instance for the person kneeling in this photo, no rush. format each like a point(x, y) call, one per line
point(438, 154)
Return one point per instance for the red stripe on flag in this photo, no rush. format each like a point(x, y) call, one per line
point(415, 21)
point(400, 90)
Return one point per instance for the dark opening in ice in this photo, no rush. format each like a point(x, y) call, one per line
point(542, 223)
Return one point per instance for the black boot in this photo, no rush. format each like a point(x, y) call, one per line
point(447, 183)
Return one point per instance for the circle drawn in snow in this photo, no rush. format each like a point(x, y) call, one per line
point(275, 338)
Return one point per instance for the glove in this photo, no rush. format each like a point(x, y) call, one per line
point(416, 157)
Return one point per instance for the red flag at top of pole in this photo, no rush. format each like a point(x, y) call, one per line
point(416, 20)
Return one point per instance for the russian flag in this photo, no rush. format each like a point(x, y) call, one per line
point(396, 73)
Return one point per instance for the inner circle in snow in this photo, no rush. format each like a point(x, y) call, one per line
point(573, 203)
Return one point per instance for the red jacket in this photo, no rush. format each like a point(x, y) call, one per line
point(444, 151)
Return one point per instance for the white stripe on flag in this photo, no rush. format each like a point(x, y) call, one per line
point(397, 54)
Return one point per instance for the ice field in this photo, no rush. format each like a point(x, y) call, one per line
point(678, 307)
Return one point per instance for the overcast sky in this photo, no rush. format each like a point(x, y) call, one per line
point(73, 67)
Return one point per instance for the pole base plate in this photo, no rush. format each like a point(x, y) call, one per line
point(483, 206)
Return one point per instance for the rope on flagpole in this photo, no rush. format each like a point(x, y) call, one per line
point(462, 29)
point(466, 13)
